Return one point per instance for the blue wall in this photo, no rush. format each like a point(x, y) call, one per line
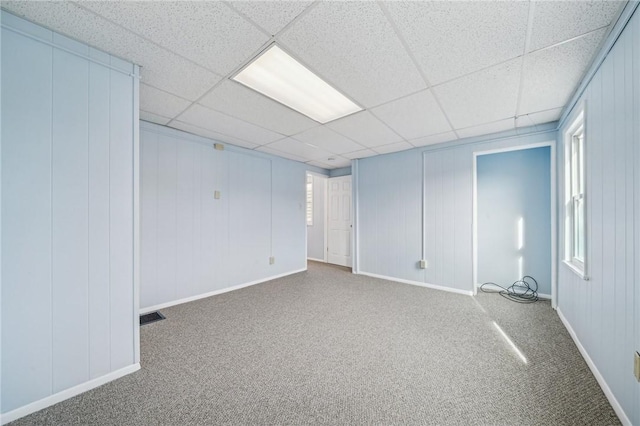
point(604, 312)
point(69, 313)
point(193, 244)
point(418, 204)
point(514, 220)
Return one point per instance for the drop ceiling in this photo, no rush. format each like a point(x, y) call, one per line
point(425, 72)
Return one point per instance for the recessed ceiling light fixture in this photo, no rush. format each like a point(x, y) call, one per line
point(277, 75)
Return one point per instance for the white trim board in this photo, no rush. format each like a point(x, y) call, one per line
point(316, 260)
point(67, 393)
point(215, 292)
point(418, 283)
point(592, 366)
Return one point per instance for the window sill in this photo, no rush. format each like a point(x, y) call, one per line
point(579, 272)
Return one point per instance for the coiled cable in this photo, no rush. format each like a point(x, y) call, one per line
point(521, 291)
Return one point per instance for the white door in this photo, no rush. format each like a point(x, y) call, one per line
point(339, 221)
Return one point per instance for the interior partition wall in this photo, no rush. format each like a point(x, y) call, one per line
point(69, 217)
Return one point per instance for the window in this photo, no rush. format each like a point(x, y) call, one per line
point(309, 200)
point(575, 229)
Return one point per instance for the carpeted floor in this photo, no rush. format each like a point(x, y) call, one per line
point(328, 347)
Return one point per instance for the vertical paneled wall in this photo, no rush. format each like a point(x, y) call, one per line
point(604, 311)
point(418, 204)
point(192, 243)
point(67, 213)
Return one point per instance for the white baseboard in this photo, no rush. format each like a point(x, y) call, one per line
point(66, 394)
point(215, 292)
point(418, 283)
point(601, 381)
point(316, 260)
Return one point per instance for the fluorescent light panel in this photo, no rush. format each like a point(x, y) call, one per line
point(277, 75)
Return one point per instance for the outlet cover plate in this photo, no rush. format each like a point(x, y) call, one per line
point(636, 366)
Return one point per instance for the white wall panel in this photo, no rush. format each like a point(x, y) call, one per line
point(26, 236)
point(604, 311)
point(121, 220)
point(194, 244)
point(70, 200)
point(67, 216)
point(98, 256)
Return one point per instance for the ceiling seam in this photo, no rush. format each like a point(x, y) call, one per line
point(78, 5)
point(415, 63)
point(527, 43)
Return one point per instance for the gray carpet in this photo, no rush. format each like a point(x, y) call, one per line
point(328, 347)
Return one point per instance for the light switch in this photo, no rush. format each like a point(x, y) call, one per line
point(216, 195)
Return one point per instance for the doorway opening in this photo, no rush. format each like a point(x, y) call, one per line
point(514, 221)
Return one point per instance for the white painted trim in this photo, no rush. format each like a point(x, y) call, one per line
point(592, 366)
point(67, 393)
point(136, 216)
point(316, 260)
point(216, 292)
point(325, 247)
point(553, 194)
point(418, 283)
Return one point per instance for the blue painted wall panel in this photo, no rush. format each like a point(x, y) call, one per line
point(214, 244)
point(67, 215)
point(604, 311)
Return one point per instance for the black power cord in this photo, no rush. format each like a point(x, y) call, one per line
point(521, 291)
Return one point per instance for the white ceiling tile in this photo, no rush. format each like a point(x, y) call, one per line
point(337, 162)
point(434, 139)
point(153, 118)
point(321, 165)
point(365, 129)
point(394, 147)
point(328, 140)
point(300, 149)
point(551, 75)
point(557, 21)
point(488, 128)
point(207, 32)
point(236, 100)
point(282, 154)
point(414, 116)
point(189, 128)
point(540, 117)
point(272, 16)
point(160, 68)
point(161, 103)
point(364, 153)
point(221, 123)
point(485, 96)
point(453, 38)
point(353, 46)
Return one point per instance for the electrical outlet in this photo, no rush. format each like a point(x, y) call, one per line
point(636, 366)
point(272, 260)
point(423, 264)
point(216, 195)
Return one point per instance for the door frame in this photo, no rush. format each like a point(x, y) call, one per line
point(324, 218)
point(553, 204)
point(353, 220)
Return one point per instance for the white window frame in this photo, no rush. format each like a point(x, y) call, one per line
point(575, 190)
point(309, 199)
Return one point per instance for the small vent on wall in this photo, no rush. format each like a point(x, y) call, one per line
point(151, 317)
